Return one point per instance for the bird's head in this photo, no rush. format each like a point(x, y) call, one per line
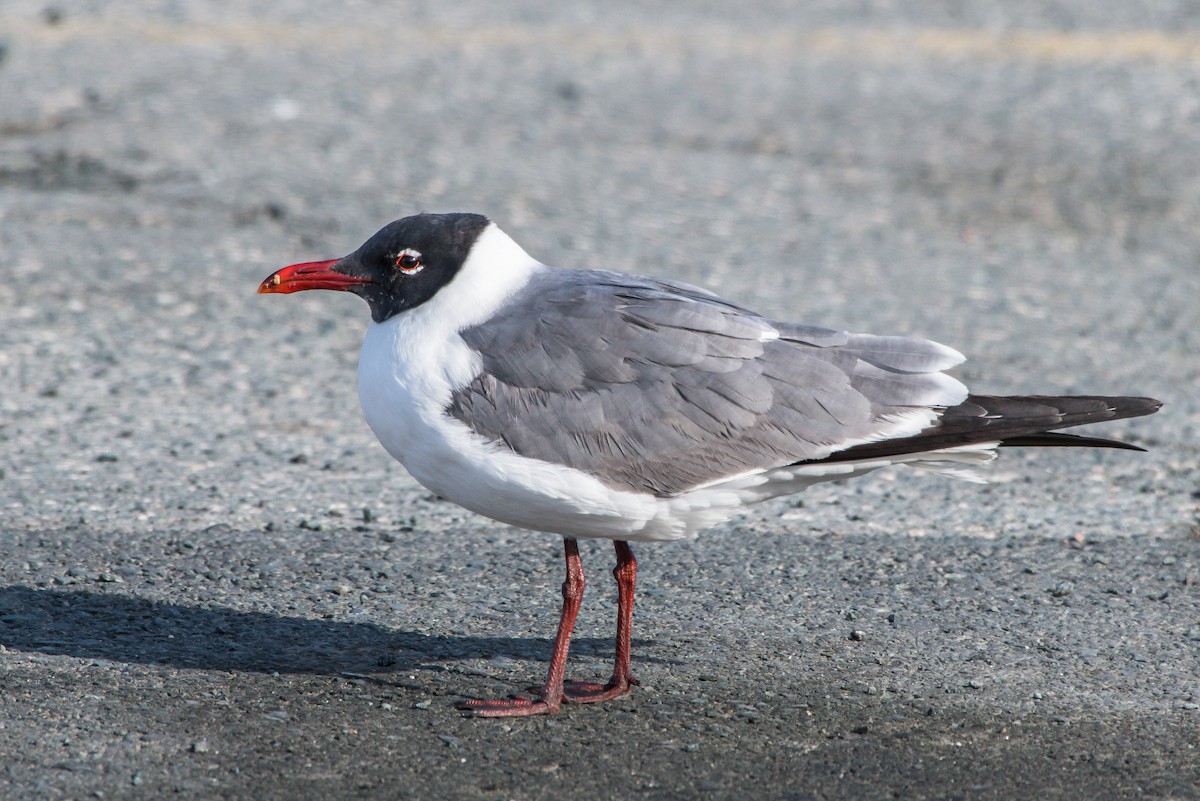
point(403, 265)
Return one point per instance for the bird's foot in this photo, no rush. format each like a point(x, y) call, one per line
point(512, 707)
point(587, 692)
point(573, 692)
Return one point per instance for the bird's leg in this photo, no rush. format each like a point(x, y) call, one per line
point(622, 678)
point(551, 696)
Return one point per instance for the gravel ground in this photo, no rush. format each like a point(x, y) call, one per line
point(214, 583)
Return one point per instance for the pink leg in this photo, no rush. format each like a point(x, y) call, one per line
point(622, 678)
point(551, 696)
point(555, 691)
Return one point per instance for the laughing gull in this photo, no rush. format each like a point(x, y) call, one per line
point(588, 403)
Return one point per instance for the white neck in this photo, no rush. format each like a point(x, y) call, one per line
point(495, 268)
point(411, 362)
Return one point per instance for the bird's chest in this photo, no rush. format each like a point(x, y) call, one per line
point(406, 373)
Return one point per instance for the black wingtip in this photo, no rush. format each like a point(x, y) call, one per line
point(1053, 439)
point(1135, 407)
point(1014, 421)
point(1112, 408)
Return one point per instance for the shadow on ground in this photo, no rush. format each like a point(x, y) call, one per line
point(90, 625)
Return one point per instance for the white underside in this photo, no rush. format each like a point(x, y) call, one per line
point(411, 363)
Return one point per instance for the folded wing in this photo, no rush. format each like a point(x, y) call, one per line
point(661, 387)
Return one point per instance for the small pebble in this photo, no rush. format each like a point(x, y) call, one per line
point(1062, 589)
point(858, 635)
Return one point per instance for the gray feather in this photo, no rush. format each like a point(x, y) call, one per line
point(660, 387)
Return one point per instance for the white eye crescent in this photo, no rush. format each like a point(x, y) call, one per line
point(408, 261)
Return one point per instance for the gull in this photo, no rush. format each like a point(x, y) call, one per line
point(595, 404)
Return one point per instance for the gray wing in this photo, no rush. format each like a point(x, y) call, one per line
point(661, 387)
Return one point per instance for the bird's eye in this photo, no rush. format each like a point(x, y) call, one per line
point(409, 261)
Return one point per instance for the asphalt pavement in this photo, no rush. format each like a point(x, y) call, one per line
point(215, 584)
